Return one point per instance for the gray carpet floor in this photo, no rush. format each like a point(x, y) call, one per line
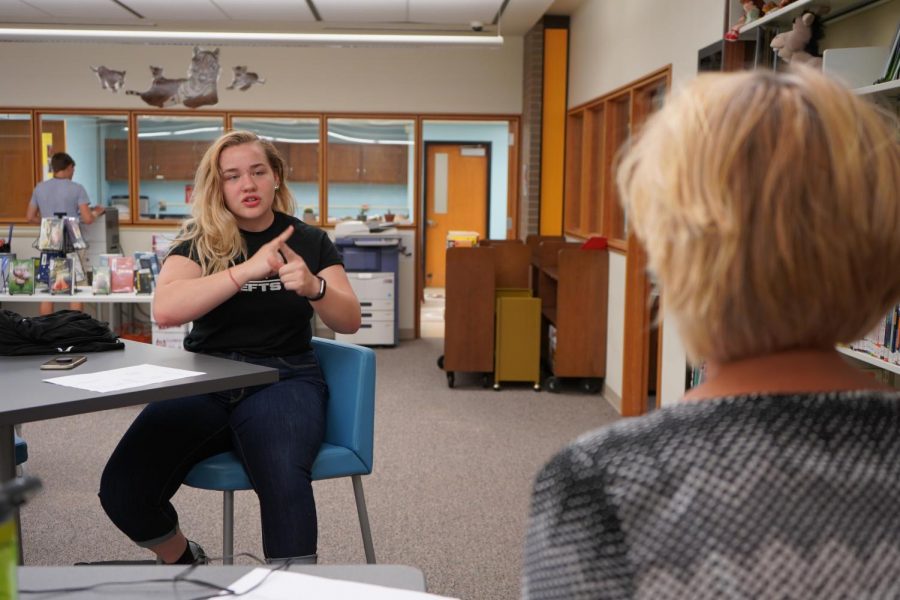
point(449, 493)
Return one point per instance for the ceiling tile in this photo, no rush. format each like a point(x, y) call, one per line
point(82, 10)
point(14, 10)
point(362, 11)
point(176, 10)
point(460, 12)
point(267, 10)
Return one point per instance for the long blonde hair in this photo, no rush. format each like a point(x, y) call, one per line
point(211, 229)
point(768, 205)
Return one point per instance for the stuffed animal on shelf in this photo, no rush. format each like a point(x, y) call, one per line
point(752, 11)
point(800, 45)
point(770, 6)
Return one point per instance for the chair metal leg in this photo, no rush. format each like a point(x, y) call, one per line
point(363, 519)
point(228, 528)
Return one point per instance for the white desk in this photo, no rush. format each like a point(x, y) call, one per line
point(42, 578)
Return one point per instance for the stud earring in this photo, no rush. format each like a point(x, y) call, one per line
point(277, 186)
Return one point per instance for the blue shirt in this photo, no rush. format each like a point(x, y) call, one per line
point(59, 196)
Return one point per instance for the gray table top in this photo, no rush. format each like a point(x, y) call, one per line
point(26, 397)
point(47, 578)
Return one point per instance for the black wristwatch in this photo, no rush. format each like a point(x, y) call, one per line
point(321, 294)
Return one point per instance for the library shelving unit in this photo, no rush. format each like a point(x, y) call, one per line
point(474, 277)
point(854, 24)
point(572, 285)
point(469, 313)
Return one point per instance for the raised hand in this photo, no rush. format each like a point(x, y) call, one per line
point(268, 259)
point(295, 274)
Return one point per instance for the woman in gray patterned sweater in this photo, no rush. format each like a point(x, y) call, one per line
point(768, 205)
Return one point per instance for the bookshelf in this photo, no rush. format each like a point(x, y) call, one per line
point(783, 17)
point(869, 359)
point(889, 90)
point(849, 25)
point(572, 285)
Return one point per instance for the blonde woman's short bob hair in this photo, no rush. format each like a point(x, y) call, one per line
point(768, 206)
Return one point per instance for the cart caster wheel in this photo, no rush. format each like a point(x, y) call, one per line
point(496, 387)
point(450, 379)
point(553, 385)
point(537, 386)
point(486, 380)
point(440, 362)
point(590, 386)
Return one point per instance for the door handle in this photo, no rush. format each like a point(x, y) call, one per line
point(431, 222)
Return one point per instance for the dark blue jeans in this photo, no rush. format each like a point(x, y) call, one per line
point(276, 429)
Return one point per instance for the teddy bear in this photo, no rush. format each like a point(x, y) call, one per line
point(801, 44)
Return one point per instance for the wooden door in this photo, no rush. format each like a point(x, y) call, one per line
point(456, 198)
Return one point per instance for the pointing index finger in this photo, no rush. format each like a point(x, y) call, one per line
point(285, 235)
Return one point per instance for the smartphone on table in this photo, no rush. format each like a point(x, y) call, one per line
point(64, 362)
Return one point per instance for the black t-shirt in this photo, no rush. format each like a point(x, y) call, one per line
point(264, 319)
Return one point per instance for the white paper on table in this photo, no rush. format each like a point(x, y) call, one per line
point(283, 585)
point(122, 379)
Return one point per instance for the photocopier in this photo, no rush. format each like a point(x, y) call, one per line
point(371, 259)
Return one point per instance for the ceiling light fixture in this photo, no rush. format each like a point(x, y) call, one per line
point(236, 37)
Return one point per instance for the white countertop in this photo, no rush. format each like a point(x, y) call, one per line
point(83, 294)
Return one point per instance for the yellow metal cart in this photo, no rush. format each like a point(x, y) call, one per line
point(517, 353)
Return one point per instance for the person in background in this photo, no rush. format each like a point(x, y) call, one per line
point(61, 195)
point(250, 276)
point(768, 206)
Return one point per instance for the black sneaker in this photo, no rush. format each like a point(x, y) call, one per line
point(200, 557)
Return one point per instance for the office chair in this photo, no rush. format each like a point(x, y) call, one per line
point(21, 450)
point(347, 450)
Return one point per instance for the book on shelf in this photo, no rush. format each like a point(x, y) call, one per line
point(121, 278)
point(100, 281)
point(61, 280)
point(147, 260)
point(73, 233)
point(21, 277)
point(52, 234)
point(143, 281)
point(696, 374)
point(892, 63)
point(883, 342)
point(6, 261)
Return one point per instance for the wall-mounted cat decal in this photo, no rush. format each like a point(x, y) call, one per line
point(197, 89)
point(243, 78)
point(109, 79)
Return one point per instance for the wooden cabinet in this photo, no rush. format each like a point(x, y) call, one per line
point(303, 163)
point(170, 160)
point(572, 285)
point(16, 167)
point(368, 163)
point(157, 159)
point(116, 159)
point(384, 164)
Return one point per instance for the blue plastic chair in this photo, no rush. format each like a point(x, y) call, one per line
point(347, 451)
point(21, 449)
